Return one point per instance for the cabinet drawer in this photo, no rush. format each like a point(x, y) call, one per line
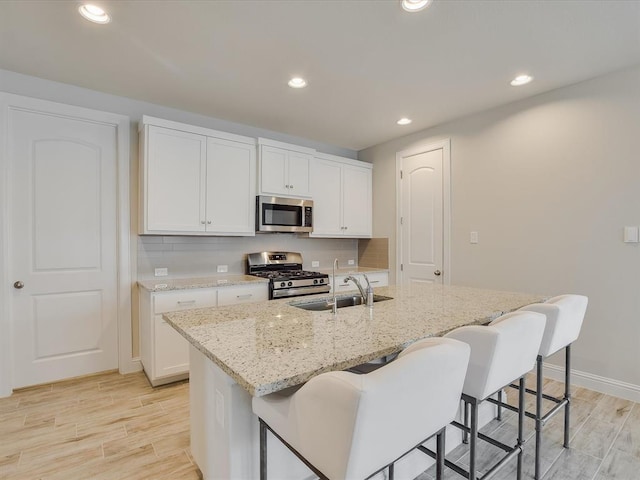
point(242, 294)
point(378, 279)
point(184, 299)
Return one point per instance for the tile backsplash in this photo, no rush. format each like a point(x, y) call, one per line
point(187, 256)
point(373, 252)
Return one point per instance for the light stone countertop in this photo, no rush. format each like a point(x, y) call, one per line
point(269, 346)
point(163, 285)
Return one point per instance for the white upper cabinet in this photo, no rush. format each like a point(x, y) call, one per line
point(195, 181)
point(283, 169)
point(341, 190)
point(175, 180)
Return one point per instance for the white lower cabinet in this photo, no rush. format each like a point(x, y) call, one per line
point(377, 279)
point(163, 351)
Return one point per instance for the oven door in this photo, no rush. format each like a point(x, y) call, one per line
point(275, 214)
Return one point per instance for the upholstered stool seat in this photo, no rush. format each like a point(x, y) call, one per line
point(349, 426)
point(501, 353)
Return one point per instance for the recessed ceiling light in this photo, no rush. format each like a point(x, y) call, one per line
point(94, 13)
point(521, 80)
point(404, 121)
point(415, 5)
point(297, 82)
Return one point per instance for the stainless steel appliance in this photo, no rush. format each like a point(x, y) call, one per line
point(277, 214)
point(285, 274)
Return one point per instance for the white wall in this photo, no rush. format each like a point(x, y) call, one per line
point(548, 183)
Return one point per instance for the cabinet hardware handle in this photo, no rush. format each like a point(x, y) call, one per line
point(186, 302)
point(246, 295)
point(290, 186)
point(209, 222)
point(437, 273)
point(374, 281)
point(18, 285)
point(202, 222)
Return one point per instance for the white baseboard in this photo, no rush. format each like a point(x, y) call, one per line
point(609, 386)
point(132, 366)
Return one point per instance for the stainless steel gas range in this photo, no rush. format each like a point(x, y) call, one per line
point(285, 274)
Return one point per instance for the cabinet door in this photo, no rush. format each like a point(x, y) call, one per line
point(172, 350)
point(175, 180)
point(231, 181)
point(273, 171)
point(299, 174)
point(356, 201)
point(326, 188)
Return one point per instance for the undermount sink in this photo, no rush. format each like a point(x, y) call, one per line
point(350, 301)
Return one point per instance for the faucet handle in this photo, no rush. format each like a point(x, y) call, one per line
point(367, 279)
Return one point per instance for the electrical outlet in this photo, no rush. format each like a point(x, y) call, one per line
point(161, 272)
point(223, 268)
point(315, 263)
point(351, 262)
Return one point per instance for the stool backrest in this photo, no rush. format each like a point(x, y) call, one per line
point(501, 352)
point(565, 314)
point(352, 425)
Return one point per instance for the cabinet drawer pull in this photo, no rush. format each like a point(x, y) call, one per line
point(186, 302)
point(246, 295)
point(374, 281)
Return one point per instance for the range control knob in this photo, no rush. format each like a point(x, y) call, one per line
point(322, 280)
point(315, 282)
point(290, 283)
point(282, 284)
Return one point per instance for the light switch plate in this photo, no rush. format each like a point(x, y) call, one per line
point(161, 272)
point(223, 268)
point(351, 262)
point(473, 238)
point(631, 234)
point(315, 263)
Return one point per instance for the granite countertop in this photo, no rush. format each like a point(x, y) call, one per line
point(268, 346)
point(164, 285)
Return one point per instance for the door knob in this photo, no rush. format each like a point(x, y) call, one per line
point(18, 285)
point(437, 273)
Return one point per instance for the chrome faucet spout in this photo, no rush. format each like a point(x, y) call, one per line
point(357, 282)
point(334, 303)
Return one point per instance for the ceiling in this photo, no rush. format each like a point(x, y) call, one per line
point(367, 62)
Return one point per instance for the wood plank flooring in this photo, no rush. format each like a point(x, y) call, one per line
point(112, 427)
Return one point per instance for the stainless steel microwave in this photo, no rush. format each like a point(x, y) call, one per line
point(278, 214)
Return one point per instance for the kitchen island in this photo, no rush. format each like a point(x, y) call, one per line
point(251, 350)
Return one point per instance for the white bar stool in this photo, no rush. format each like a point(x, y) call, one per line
point(348, 426)
point(501, 353)
point(565, 314)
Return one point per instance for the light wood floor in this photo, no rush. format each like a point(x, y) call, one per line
point(111, 426)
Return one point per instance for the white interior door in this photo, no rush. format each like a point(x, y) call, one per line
point(423, 211)
point(63, 246)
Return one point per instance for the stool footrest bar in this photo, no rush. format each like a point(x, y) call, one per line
point(459, 470)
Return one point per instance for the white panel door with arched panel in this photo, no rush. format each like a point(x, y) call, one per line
point(423, 214)
point(63, 246)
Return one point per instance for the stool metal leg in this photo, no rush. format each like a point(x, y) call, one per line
point(263, 450)
point(474, 439)
point(465, 435)
point(567, 394)
point(521, 394)
point(538, 416)
point(391, 473)
point(499, 417)
point(440, 443)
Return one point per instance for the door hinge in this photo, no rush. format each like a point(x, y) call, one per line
point(401, 220)
point(401, 267)
point(400, 174)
